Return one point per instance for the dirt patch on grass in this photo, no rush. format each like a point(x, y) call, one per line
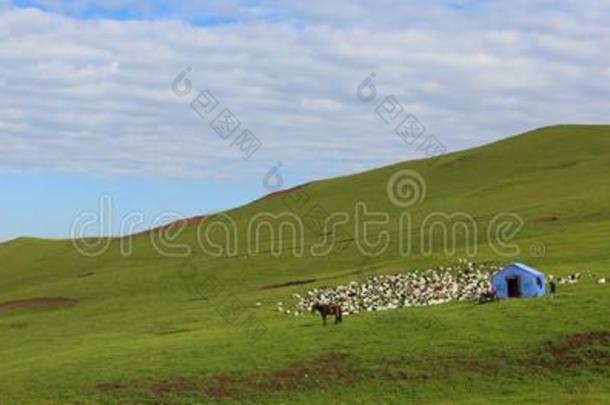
point(176, 225)
point(37, 303)
point(289, 284)
point(322, 372)
point(547, 219)
point(109, 387)
point(280, 193)
point(579, 349)
point(459, 161)
point(14, 325)
point(325, 371)
point(169, 386)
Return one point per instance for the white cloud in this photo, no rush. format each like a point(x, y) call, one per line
point(93, 96)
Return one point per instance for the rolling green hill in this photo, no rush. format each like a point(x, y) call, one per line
point(175, 321)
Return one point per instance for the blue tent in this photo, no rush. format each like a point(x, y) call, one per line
point(519, 281)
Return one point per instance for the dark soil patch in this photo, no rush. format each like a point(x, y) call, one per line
point(325, 371)
point(547, 219)
point(37, 303)
point(176, 225)
point(14, 325)
point(459, 161)
point(279, 193)
point(109, 387)
point(288, 284)
point(174, 385)
point(579, 349)
point(172, 331)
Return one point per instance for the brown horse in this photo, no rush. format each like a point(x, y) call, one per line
point(326, 309)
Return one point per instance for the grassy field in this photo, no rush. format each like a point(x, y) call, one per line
point(150, 327)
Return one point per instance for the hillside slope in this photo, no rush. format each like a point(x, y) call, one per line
point(168, 320)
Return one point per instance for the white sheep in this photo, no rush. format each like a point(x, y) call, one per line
point(380, 293)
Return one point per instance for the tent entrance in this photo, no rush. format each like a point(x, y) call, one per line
point(513, 284)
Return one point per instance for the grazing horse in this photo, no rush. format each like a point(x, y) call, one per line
point(326, 309)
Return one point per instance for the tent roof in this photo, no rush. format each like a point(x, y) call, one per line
point(525, 268)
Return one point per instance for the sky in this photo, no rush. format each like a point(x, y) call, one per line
point(184, 108)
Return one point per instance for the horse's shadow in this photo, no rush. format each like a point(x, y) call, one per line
point(307, 325)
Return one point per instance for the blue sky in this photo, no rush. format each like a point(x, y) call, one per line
point(47, 204)
point(122, 11)
point(87, 106)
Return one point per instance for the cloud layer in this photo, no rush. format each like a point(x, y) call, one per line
point(93, 95)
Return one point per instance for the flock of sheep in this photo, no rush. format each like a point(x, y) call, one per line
point(465, 281)
point(571, 279)
point(575, 278)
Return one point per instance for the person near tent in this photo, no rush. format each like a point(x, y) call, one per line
point(553, 286)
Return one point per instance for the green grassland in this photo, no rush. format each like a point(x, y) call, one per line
point(161, 329)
